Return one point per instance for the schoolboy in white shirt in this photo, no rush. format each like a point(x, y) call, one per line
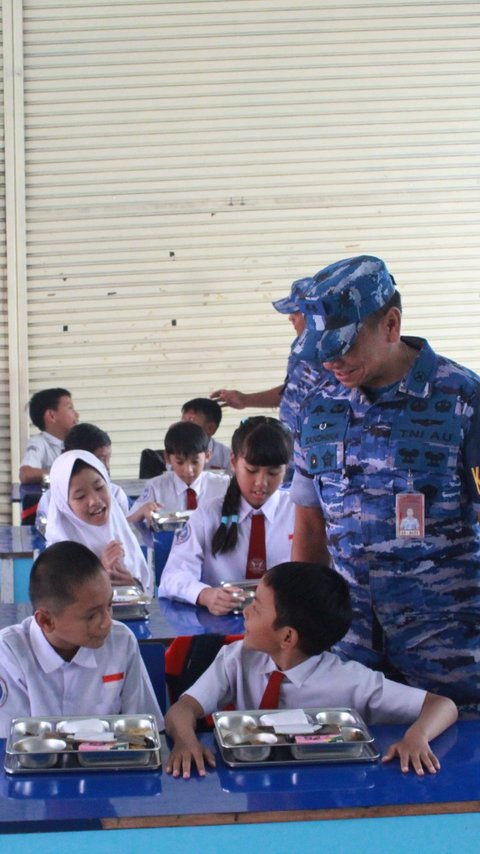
point(299, 612)
point(53, 412)
point(70, 657)
point(208, 415)
point(186, 485)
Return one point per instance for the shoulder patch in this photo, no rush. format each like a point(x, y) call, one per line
point(3, 692)
point(183, 534)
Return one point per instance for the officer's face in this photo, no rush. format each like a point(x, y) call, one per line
point(297, 320)
point(374, 360)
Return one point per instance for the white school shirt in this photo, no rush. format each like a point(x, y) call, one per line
point(118, 494)
point(191, 566)
point(36, 681)
point(240, 676)
point(220, 458)
point(41, 451)
point(169, 490)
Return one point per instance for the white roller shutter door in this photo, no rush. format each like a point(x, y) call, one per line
point(185, 161)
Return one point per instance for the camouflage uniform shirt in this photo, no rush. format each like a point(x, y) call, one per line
point(353, 455)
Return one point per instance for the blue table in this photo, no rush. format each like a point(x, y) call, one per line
point(315, 796)
point(166, 620)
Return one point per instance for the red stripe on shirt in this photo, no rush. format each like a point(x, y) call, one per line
point(113, 677)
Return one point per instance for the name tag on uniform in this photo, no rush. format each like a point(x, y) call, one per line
point(322, 435)
point(410, 515)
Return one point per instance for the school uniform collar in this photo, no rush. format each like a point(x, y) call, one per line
point(268, 509)
point(49, 659)
point(296, 675)
point(180, 486)
point(52, 440)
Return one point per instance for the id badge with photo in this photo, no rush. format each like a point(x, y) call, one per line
point(410, 515)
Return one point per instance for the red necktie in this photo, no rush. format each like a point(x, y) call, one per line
point(257, 553)
point(271, 694)
point(191, 499)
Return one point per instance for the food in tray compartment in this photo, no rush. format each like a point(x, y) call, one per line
point(90, 725)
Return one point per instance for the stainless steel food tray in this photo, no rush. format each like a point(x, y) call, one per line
point(129, 603)
point(340, 735)
point(247, 595)
point(50, 731)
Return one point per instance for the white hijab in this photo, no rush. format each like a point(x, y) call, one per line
point(63, 524)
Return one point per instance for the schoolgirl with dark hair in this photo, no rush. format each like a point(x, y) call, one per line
point(223, 540)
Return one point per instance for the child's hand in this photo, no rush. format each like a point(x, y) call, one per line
point(112, 556)
point(413, 748)
point(179, 762)
point(145, 512)
point(218, 600)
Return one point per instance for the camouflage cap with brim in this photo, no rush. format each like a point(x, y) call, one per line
point(339, 301)
point(291, 304)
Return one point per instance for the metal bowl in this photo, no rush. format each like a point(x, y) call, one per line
point(31, 726)
point(37, 752)
point(163, 520)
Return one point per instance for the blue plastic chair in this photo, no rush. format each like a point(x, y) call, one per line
point(153, 654)
point(162, 543)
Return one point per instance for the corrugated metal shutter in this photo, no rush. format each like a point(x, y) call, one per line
point(187, 160)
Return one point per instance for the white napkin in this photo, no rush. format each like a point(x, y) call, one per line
point(287, 721)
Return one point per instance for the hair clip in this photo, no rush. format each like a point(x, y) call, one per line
point(225, 520)
point(234, 520)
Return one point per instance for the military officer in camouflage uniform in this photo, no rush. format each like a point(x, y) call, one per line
point(390, 422)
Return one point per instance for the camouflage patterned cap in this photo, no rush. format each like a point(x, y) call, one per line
point(299, 289)
point(342, 296)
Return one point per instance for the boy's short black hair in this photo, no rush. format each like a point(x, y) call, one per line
point(86, 437)
point(209, 408)
point(58, 572)
point(186, 438)
point(314, 600)
point(48, 398)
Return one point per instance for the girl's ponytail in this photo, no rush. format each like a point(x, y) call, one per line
point(226, 535)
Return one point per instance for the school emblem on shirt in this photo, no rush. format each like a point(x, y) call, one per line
point(183, 534)
point(3, 692)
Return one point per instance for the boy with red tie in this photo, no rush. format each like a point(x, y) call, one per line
point(186, 485)
point(300, 610)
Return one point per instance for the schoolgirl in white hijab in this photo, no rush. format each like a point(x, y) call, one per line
point(82, 509)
